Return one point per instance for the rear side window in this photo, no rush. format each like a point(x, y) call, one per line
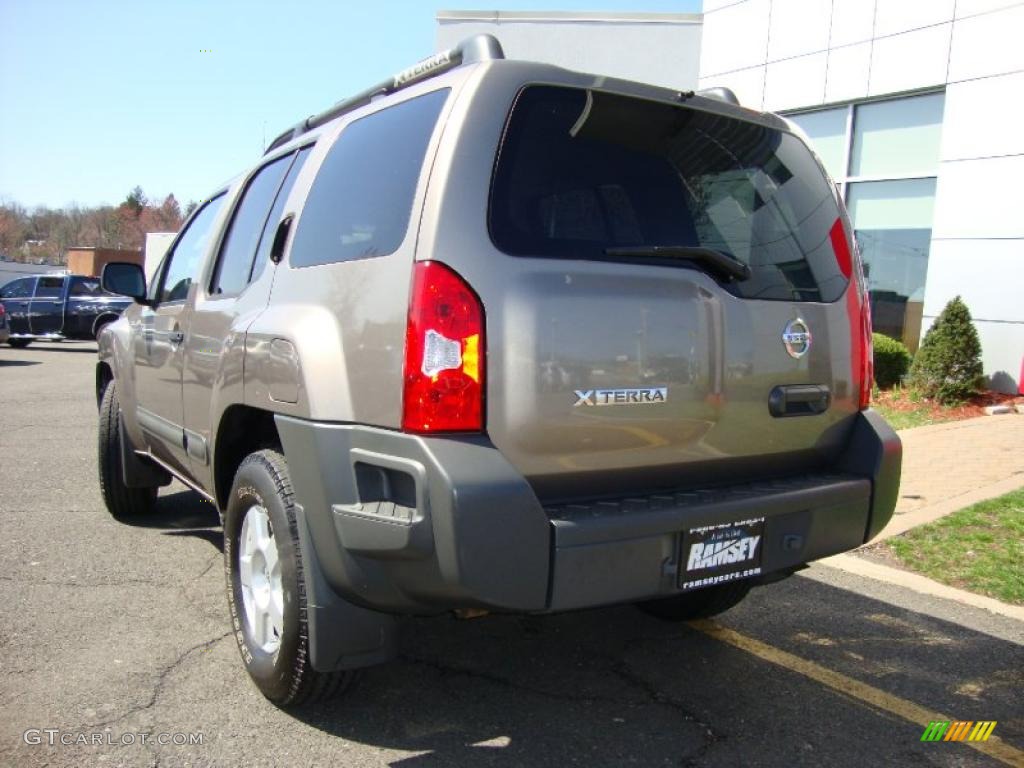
point(86, 287)
point(360, 202)
point(239, 247)
point(580, 172)
point(49, 287)
point(274, 219)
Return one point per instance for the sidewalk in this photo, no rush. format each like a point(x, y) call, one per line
point(950, 466)
point(947, 467)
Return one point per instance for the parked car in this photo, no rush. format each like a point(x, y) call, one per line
point(471, 345)
point(58, 307)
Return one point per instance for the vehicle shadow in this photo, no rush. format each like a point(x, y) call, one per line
point(613, 687)
point(87, 347)
point(183, 513)
point(17, 363)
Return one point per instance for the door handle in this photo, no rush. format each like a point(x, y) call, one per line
point(799, 400)
point(176, 337)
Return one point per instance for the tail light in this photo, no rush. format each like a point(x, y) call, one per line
point(858, 311)
point(444, 354)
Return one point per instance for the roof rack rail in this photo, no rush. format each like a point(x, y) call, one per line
point(476, 48)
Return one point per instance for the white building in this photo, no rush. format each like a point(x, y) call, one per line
point(915, 107)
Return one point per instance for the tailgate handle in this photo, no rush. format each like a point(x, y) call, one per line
point(799, 400)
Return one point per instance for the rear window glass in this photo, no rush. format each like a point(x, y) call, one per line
point(87, 287)
point(360, 202)
point(580, 172)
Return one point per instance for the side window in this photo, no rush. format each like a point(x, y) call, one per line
point(243, 235)
point(85, 287)
point(49, 287)
point(188, 253)
point(18, 289)
point(270, 228)
point(360, 202)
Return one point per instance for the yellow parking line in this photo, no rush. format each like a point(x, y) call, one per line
point(908, 710)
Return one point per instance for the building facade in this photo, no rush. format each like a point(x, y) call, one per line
point(914, 107)
point(618, 44)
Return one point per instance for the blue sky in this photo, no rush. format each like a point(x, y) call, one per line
point(96, 97)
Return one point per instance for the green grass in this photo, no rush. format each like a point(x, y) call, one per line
point(900, 419)
point(980, 548)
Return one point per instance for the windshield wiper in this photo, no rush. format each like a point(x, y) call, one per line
point(723, 263)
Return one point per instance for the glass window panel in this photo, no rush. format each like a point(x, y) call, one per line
point(892, 221)
point(188, 253)
point(898, 137)
point(49, 287)
point(360, 203)
point(827, 131)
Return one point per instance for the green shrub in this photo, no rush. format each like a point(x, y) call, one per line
point(948, 365)
point(892, 360)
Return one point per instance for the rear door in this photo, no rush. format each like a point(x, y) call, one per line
point(46, 313)
point(663, 276)
point(238, 290)
point(16, 296)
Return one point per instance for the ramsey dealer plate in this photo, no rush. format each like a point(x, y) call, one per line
point(715, 554)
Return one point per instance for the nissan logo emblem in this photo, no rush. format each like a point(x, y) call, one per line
point(796, 338)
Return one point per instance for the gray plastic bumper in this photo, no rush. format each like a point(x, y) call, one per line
point(409, 524)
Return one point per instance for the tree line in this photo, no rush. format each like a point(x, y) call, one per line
point(43, 235)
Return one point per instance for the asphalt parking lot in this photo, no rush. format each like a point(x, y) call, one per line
point(108, 628)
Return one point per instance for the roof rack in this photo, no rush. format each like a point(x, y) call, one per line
point(476, 48)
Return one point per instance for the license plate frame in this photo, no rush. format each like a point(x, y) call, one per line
point(720, 553)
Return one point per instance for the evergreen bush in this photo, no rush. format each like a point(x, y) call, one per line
point(947, 367)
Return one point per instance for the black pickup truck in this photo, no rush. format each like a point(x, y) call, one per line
point(57, 307)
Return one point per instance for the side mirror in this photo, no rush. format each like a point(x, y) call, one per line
point(125, 279)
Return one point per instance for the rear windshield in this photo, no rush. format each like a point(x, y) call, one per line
point(581, 171)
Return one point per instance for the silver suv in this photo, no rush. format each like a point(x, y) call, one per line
point(494, 336)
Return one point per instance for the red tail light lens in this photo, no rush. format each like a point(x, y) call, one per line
point(858, 311)
point(444, 354)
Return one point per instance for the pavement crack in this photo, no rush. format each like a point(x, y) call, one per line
point(218, 557)
point(709, 734)
point(161, 681)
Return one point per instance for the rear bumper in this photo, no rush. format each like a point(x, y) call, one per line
point(409, 524)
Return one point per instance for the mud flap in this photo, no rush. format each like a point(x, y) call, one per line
point(341, 635)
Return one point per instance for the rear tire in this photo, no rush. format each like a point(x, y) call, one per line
point(122, 502)
point(699, 604)
point(19, 343)
point(263, 568)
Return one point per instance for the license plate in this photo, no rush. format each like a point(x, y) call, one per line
point(715, 554)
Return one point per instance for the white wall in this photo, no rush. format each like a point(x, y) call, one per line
point(794, 54)
point(616, 44)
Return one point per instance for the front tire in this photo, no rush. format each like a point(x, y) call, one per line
point(122, 502)
point(263, 564)
point(699, 604)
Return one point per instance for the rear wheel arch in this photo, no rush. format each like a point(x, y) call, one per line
point(241, 430)
point(101, 321)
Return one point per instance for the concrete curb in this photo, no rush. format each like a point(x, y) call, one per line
point(920, 584)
